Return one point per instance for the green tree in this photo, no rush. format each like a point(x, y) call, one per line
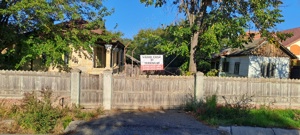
point(32, 29)
point(162, 41)
point(146, 41)
point(222, 23)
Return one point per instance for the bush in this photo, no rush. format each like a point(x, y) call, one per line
point(193, 105)
point(213, 113)
point(38, 115)
point(212, 72)
point(66, 120)
point(239, 111)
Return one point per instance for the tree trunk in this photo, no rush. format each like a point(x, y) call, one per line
point(194, 42)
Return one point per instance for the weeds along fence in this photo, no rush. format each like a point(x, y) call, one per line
point(259, 91)
point(121, 92)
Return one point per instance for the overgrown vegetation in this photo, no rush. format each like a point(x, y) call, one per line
point(241, 113)
point(36, 114)
point(212, 72)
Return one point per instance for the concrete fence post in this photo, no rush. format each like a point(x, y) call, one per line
point(107, 89)
point(199, 86)
point(75, 87)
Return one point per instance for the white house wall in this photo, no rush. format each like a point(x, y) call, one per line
point(282, 66)
point(244, 62)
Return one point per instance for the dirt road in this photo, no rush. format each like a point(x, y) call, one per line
point(170, 122)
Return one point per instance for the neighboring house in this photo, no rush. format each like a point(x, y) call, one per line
point(257, 59)
point(293, 43)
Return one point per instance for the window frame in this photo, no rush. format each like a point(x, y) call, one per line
point(237, 68)
point(225, 66)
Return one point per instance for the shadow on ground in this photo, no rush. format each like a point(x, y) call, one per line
point(169, 122)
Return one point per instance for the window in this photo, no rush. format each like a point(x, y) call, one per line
point(271, 70)
point(225, 67)
point(99, 57)
point(268, 69)
point(237, 68)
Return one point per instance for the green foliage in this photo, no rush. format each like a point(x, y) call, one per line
point(203, 66)
point(83, 115)
point(176, 39)
point(30, 29)
point(212, 72)
point(38, 115)
point(241, 113)
point(66, 121)
point(160, 41)
point(214, 25)
point(268, 117)
point(145, 42)
point(192, 105)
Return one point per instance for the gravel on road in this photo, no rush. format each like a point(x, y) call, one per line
point(166, 122)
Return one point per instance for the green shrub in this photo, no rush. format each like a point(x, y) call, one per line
point(38, 115)
point(66, 120)
point(212, 112)
point(211, 106)
point(240, 112)
point(238, 108)
point(212, 72)
point(192, 105)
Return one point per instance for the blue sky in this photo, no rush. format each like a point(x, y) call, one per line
point(131, 16)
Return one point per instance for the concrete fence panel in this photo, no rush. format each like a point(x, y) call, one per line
point(261, 91)
point(151, 91)
point(122, 92)
point(91, 92)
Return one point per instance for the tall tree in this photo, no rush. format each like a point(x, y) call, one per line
point(225, 21)
point(168, 41)
point(146, 41)
point(31, 29)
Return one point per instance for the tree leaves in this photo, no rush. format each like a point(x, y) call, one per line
point(223, 23)
point(52, 28)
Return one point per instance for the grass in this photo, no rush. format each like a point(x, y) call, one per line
point(35, 115)
point(243, 114)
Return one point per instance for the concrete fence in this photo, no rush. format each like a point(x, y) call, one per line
point(73, 88)
point(261, 91)
point(122, 92)
point(151, 91)
point(13, 84)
